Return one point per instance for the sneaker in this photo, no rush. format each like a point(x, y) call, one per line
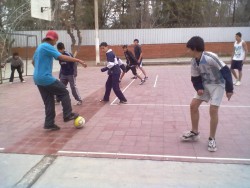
point(79, 102)
point(104, 101)
point(23, 81)
point(190, 136)
point(212, 145)
point(142, 81)
point(235, 81)
point(238, 83)
point(52, 127)
point(145, 78)
point(71, 117)
point(122, 102)
point(134, 77)
point(10, 82)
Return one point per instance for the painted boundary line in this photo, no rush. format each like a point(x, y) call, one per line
point(124, 90)
point(156, 79)
point(1, 149)
point(184, 105)
point(154, 156)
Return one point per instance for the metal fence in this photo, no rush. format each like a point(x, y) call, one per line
point(146, 36)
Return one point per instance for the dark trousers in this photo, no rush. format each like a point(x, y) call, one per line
point(113, 82)
point(19, 70)
point(65, 79)
point(48, 93)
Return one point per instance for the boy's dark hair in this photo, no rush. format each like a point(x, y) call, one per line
point(15, 54)
point(136, 40)
point(239, 34)
point(125, 46)
point(60, 46)
point(196, 43)
point(104, 44)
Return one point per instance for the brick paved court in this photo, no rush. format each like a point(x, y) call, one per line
point(148, 127)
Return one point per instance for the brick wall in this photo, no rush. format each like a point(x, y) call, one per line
point(150, 51)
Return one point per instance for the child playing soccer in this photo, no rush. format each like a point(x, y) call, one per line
point(68, 74)
point(210, 77)
point(114, 72)
point(131, 64)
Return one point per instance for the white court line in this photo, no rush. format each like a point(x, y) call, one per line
point(1, 149)
point(124, 90)
point(185, 105)
point(154, 156)
point(156, 80)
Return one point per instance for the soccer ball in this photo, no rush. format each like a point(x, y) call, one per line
point(79, 122)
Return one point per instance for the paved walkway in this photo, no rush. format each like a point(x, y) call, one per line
point(147, 128)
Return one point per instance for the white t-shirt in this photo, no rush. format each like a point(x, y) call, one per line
point(239, 52)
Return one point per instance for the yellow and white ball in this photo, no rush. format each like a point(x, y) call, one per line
point(79, 122)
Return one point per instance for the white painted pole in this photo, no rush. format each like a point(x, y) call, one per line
point(97, 33)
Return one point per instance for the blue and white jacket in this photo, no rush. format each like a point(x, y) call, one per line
point(112, 63)
point(210, 70)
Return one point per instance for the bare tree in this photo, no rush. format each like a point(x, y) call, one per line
point(69, 12)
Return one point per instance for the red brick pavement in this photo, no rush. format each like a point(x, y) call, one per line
point(148, 127)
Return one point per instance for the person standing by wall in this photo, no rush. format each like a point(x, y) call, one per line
point(138, 56)
point(16, 63)
point(238, 58)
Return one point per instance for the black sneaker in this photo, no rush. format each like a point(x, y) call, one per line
point(122, 102)
point(134, 77)
point(71, 117)
point(145, 78)
point(53, 127)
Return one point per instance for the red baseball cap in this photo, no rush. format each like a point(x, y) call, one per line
point(52, 35)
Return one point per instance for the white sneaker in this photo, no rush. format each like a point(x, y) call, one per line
point(190, 136)
point(23, 81)
point(78, 103)
point(235, 81)
point(238, 83)
point(212, 145)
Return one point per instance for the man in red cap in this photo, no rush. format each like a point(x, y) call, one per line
point(48, 85)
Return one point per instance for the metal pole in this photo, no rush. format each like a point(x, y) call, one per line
point(97, 33)
point(27, 44)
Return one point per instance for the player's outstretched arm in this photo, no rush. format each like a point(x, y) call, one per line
point(72, 59)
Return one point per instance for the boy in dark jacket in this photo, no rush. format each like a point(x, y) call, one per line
point(131, 64)
point(114, 72)
point(68, 74)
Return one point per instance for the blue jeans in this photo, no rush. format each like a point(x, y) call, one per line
point(48, 93)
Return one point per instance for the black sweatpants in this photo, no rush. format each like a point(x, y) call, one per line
point(48, 93)
point(113, 82)
point(19, 70)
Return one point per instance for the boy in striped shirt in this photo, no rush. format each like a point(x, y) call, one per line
point(210, 76)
